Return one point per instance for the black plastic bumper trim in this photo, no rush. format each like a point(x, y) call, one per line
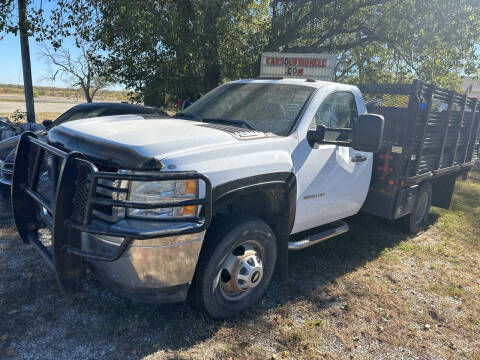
point(99, 257)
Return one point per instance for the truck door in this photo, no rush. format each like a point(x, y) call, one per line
point(332, 181)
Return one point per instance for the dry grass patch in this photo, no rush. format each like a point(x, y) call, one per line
point(374, 293)
point(39, 116)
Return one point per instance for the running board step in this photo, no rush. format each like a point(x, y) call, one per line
point(326, 232)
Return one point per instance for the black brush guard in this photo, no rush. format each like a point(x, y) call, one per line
point(62, 217)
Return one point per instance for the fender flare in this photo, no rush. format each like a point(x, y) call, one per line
point(285, 182)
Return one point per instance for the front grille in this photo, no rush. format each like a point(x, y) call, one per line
point(80, 198)
point(110, 189)
point(46, 184)
point(48, 173)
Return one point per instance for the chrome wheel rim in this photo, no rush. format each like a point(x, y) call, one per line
point(421, 209)
point(241, 271)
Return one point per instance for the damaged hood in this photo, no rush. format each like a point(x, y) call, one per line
point(136, 142)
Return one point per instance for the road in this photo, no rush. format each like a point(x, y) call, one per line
point(10, 103)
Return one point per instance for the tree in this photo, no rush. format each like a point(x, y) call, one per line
point(384, 40)
point(8, 23)
point(83, 71)
point(165, 48)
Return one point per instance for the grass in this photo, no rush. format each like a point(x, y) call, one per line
point(372, 293)
point(12, 100)
point(42, 91)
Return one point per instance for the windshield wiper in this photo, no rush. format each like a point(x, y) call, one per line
point(242, 123)
point(192, 115)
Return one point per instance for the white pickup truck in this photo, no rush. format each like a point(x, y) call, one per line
point(208, 204)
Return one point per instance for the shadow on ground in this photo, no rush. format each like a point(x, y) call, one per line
point(38, 321)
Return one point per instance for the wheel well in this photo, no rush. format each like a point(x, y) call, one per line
point(269, 204)
point(269, 197)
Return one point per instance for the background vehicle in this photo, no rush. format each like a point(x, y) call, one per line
point(81, 111)
point(208, 205)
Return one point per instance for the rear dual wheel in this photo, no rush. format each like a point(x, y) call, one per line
point(413, 222)
point(235, 266)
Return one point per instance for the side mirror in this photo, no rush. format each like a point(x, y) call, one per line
point(332, 136)
point(47, 123)
point(368, 133)
point(316, 136)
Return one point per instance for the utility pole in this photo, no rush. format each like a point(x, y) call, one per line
point(26, 66)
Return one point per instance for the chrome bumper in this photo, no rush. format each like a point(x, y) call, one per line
point(155, 271)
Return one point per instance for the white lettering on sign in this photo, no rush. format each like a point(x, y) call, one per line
point(308, 66)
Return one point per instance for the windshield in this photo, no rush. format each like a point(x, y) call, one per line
point(264, 107)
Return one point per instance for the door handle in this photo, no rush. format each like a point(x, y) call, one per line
point(359, 158)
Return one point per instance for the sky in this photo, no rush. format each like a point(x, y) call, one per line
point(11, 62)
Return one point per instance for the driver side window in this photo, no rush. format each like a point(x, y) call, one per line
point(338, 110)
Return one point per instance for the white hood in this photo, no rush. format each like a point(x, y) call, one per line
point(132, 142)
point(150, 136)
point(115, 137)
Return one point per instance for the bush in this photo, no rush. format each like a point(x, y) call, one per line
point(18, 117)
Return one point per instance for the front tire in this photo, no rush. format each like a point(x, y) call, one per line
point(235, 267)
point(413, 222)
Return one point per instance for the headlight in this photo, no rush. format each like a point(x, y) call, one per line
point(163, 191)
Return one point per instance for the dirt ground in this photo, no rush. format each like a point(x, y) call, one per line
point(374, 293)
point(9, 103)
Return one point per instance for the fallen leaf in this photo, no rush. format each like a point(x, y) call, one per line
point(10, 352)
point(452, 346)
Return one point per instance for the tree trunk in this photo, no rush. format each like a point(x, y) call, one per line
point(212, 70)
point(26, 66)
point(86, 92)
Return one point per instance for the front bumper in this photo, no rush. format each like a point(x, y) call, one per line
point(155, 271)
point(143, 259)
